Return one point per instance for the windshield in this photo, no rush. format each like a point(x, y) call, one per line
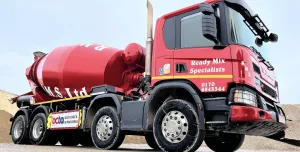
point(241, 34)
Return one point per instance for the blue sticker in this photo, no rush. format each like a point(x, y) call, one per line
point(161, 71)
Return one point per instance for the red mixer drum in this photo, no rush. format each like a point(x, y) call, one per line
point(71, 71)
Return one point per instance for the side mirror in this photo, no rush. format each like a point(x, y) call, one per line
point(209, 27)
point(209, 23)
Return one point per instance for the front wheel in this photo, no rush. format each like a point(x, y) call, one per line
point(225, 142)
point(106, 129)
point(176, 127)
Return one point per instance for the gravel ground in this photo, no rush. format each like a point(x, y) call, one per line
point(123, 148)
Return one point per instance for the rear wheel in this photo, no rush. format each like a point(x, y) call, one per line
point(225, 142)
point(106, 129)
point(176, 127)
point(151, 141)
point(19, 131)
point(38, 133)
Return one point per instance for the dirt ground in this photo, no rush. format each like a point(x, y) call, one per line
point(4, 127)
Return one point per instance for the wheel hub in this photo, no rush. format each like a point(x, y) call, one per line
point(104, 127)
point(18, 129)
point(37, 129)
point(174, 126)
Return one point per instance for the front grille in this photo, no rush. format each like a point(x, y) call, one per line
point(268, 90)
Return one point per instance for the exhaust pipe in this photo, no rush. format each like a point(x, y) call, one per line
point(149, 42)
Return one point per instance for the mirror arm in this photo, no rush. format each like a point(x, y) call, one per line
point(219, 46)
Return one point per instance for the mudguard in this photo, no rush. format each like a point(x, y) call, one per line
point(114, 98)
point(167, 85)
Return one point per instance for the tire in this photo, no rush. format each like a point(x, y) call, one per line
point(19, 132)
point(151, 141)
point(69, 138)
point(44, 136)
point(225, 142)
point(187, 134)
point(86, 139)
point(110, 136)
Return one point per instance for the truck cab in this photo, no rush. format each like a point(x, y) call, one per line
point(219, 54)
point(218, 65)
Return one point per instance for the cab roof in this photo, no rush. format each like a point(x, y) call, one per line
point(187, 9)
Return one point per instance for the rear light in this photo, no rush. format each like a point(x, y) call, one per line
point(246, 97)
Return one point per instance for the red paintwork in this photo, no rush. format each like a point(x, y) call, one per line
point(78, 68)
point(239, 54)
point(233, 56)
point(245, 113)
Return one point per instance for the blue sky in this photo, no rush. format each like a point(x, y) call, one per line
point(28, 26)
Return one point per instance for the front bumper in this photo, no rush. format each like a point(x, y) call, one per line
point(254, 121)
point(242, 119)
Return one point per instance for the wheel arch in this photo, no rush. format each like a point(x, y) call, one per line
point(106, 100)
point(40, 109)
point(165, 89)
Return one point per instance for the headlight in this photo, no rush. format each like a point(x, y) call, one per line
point(247, 97)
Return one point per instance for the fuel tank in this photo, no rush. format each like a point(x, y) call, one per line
point(71, 71)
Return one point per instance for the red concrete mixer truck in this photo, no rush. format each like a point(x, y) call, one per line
point(201, 78)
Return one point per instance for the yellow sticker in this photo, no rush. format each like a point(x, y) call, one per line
point(49, 121)
point(166, 68)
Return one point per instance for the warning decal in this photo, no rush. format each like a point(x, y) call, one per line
point(64, 120)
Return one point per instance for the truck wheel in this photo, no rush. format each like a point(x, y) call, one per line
point(69, 138)
point(176, 127)
point(86, 139)
point(151, 141)
point(225, 142)
point(105, 129)
point(19, 133)
point(38, 133)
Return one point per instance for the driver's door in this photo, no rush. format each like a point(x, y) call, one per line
point(194, 57)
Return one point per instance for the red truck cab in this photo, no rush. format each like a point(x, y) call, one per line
point(238, 87)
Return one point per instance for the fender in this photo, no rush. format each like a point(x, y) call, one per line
point(38, 109)
point(89, 114)
point(166, 85)
point(114, 97)
point(21, 112)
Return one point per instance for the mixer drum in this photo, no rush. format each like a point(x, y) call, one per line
point(71, 71)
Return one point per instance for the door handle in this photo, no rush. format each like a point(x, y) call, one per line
point(181, 68)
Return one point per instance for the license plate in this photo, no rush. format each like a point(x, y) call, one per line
point(281, 119)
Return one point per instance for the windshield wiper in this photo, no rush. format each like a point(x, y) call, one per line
point(261, 58)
